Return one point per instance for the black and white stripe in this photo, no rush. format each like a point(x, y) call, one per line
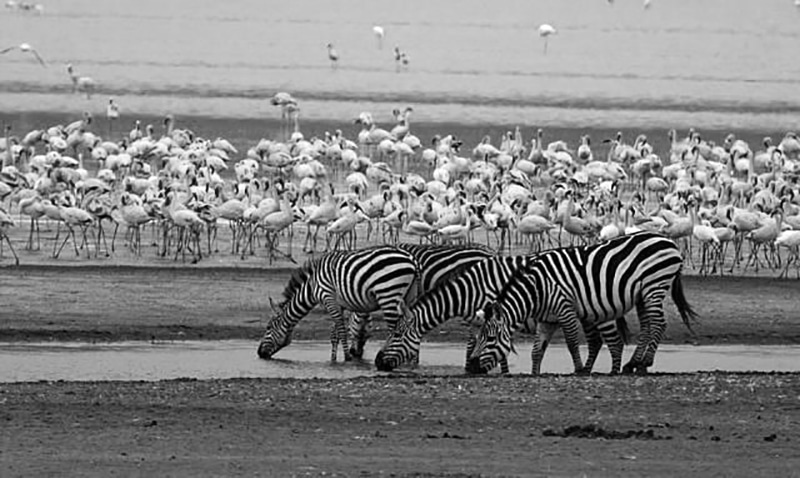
point(458, 296)
point(590, 285)
point(436, 262)
point(379, 278)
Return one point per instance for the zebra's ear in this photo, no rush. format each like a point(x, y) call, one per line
point(273, 306)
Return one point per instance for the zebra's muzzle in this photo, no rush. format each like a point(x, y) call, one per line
point(383, 363)
point(264, 352)
point(474, 366)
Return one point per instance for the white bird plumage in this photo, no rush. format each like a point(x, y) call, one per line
point(545, 31)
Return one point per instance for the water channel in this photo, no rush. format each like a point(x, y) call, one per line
point(309, 359)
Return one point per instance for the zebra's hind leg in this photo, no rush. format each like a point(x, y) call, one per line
point(359, 333)
point(652, 326)
point(334, 341)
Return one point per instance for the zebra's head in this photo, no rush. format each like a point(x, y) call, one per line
point(276, 336)
point(492, 343)
point(401, 346)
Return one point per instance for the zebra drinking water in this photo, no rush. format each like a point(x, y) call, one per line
point(461, 295)
point(436, 262)
point(594, 285)
point(363, 281)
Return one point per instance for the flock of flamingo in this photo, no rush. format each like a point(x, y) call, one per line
point(731, 207)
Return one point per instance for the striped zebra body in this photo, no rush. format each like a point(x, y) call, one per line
point(436, 262)
point(378, 278)
point(590, 285)
point(459, 296)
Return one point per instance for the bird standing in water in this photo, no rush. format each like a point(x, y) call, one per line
point(333, 55)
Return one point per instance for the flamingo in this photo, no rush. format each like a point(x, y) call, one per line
point(81, 84)
point(377, 30)
point(286, 102)
point(400, 58)
point(5, 223)
point(25, 48)
point(188, 223)
point(333, 55)
point(345, 225)
point(277, 222)
point(545, 30)
point(135, 216)
point(535, 226)
point(32, 207)
point(112, 114)
point(790, 239)
point(75, 217)
point(458, 232)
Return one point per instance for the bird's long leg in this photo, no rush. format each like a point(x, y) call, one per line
point(10, 246)
point(55, 241)
point(30, 236)
point(57, 251)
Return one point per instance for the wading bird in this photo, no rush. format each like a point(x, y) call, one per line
point(377, 30)
point(81, 84)
point(545, 30)
point(333, 55)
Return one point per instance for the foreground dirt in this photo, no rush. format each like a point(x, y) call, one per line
point(667, 425)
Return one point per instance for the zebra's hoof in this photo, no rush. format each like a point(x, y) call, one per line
point(629, 368)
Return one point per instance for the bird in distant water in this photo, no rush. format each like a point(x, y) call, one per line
point(333, 55)
point(545, 30)
point(377, 30)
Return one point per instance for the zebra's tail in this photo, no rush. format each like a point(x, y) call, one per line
point(623, 330)
point(687, 313)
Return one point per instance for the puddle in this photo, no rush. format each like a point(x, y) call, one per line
point(309, 359)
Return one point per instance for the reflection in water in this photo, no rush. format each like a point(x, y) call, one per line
point(237, 358)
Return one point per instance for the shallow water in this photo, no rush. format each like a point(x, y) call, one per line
point(715, 63)
point(309, 359)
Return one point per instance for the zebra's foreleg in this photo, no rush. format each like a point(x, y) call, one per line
point(595, 342)
point(544, 332)
point(339, 331)
point(569, 323)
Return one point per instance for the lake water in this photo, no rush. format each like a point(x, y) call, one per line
point(310, 359)
point(710, 63)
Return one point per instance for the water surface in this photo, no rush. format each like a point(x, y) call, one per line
point(310, 359)
point(713, 63)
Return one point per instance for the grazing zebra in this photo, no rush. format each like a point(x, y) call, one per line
point(360, 281)
point(461, 295)
point(436, 262)
point(594, 285)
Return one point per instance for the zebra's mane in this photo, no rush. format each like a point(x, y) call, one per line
point(518, 273)
point(298, 278)
point(458, 271)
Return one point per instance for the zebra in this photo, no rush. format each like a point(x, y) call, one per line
point(595, 285)
point(436, 262)
point(461, 295)
point(361, 281)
